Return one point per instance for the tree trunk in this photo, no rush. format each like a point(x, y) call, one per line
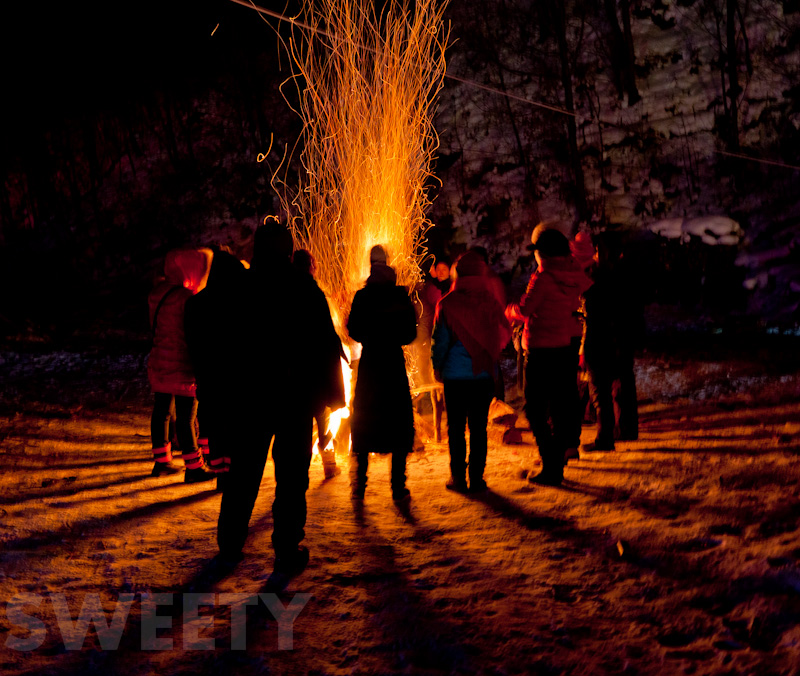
point(721, 51)
point(530, 186)
point(733, 77)
point(630, 54)
point(558, 12)
point(170, 138)
point(622, 55)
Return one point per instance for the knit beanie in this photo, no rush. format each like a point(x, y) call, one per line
point(470, 264)
point(377, 255)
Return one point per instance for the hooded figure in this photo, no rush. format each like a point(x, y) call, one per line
point(470, 331)
point(382, 319)
point(212, 323)
point(549, 309)
point(169, 367)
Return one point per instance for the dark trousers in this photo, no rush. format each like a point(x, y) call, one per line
point(602, 375)
point(240, 490)
point(322, 417)
point(399, 457)
point(185, 416)
point(551, 399)
point(575, 440)
point(467, 403)
point(291, 453)
point(221, 417)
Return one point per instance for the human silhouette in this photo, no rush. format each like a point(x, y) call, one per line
point(169, 367)
point(470, 331)
point(292, 352)
point(306, 265)
point(213, 319)
point(613, 321)
point(382, 319)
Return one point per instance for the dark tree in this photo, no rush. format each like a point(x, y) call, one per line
point(623, 59)
point(558, 17)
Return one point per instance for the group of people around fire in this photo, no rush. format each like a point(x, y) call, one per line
point(254, 346)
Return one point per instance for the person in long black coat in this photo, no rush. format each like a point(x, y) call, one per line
point(382, 319)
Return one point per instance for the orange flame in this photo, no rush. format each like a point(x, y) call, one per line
point(367, 87)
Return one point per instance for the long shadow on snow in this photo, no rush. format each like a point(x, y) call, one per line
point(513, 511)
point(718, 450)
point(734, 411)
point(414, 632)
point(74, 488)
point(75, 529)
point(690, 418)
point(41, 462)
point(662, 508)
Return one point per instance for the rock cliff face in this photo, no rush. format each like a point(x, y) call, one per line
point(669, 155)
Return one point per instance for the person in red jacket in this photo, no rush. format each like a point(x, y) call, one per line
point(549, 309)
point(469, 334)
point(169, 367)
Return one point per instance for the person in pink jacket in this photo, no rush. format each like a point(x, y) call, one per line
point(549, 310)
point(169, 367)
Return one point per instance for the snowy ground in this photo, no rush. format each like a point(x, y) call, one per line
point(678, 553)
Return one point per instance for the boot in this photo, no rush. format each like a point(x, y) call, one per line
point(196, 470)
point(329, 464)
point(220, 465)
point(287, 565)
point(598, 445)
point(163, 462)
point(477, 485)
point(165, 469)
point(359, 483)
point(459, 485)
point(194, 476)
point(552, 473)
point(401, 494)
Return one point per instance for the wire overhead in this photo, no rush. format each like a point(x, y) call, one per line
point(472, 83)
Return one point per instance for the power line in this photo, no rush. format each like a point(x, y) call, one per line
point(757, 159)
point(472, 83)
point(625, 127)
point(478, 85)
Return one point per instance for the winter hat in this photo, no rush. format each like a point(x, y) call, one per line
point(272, 242)
point(304, 261)
point(549, 242)
point(582, 248)
point(226, 270)
point(188, 268)
point(377, 255)
point(470, 264)
point(380, 272)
